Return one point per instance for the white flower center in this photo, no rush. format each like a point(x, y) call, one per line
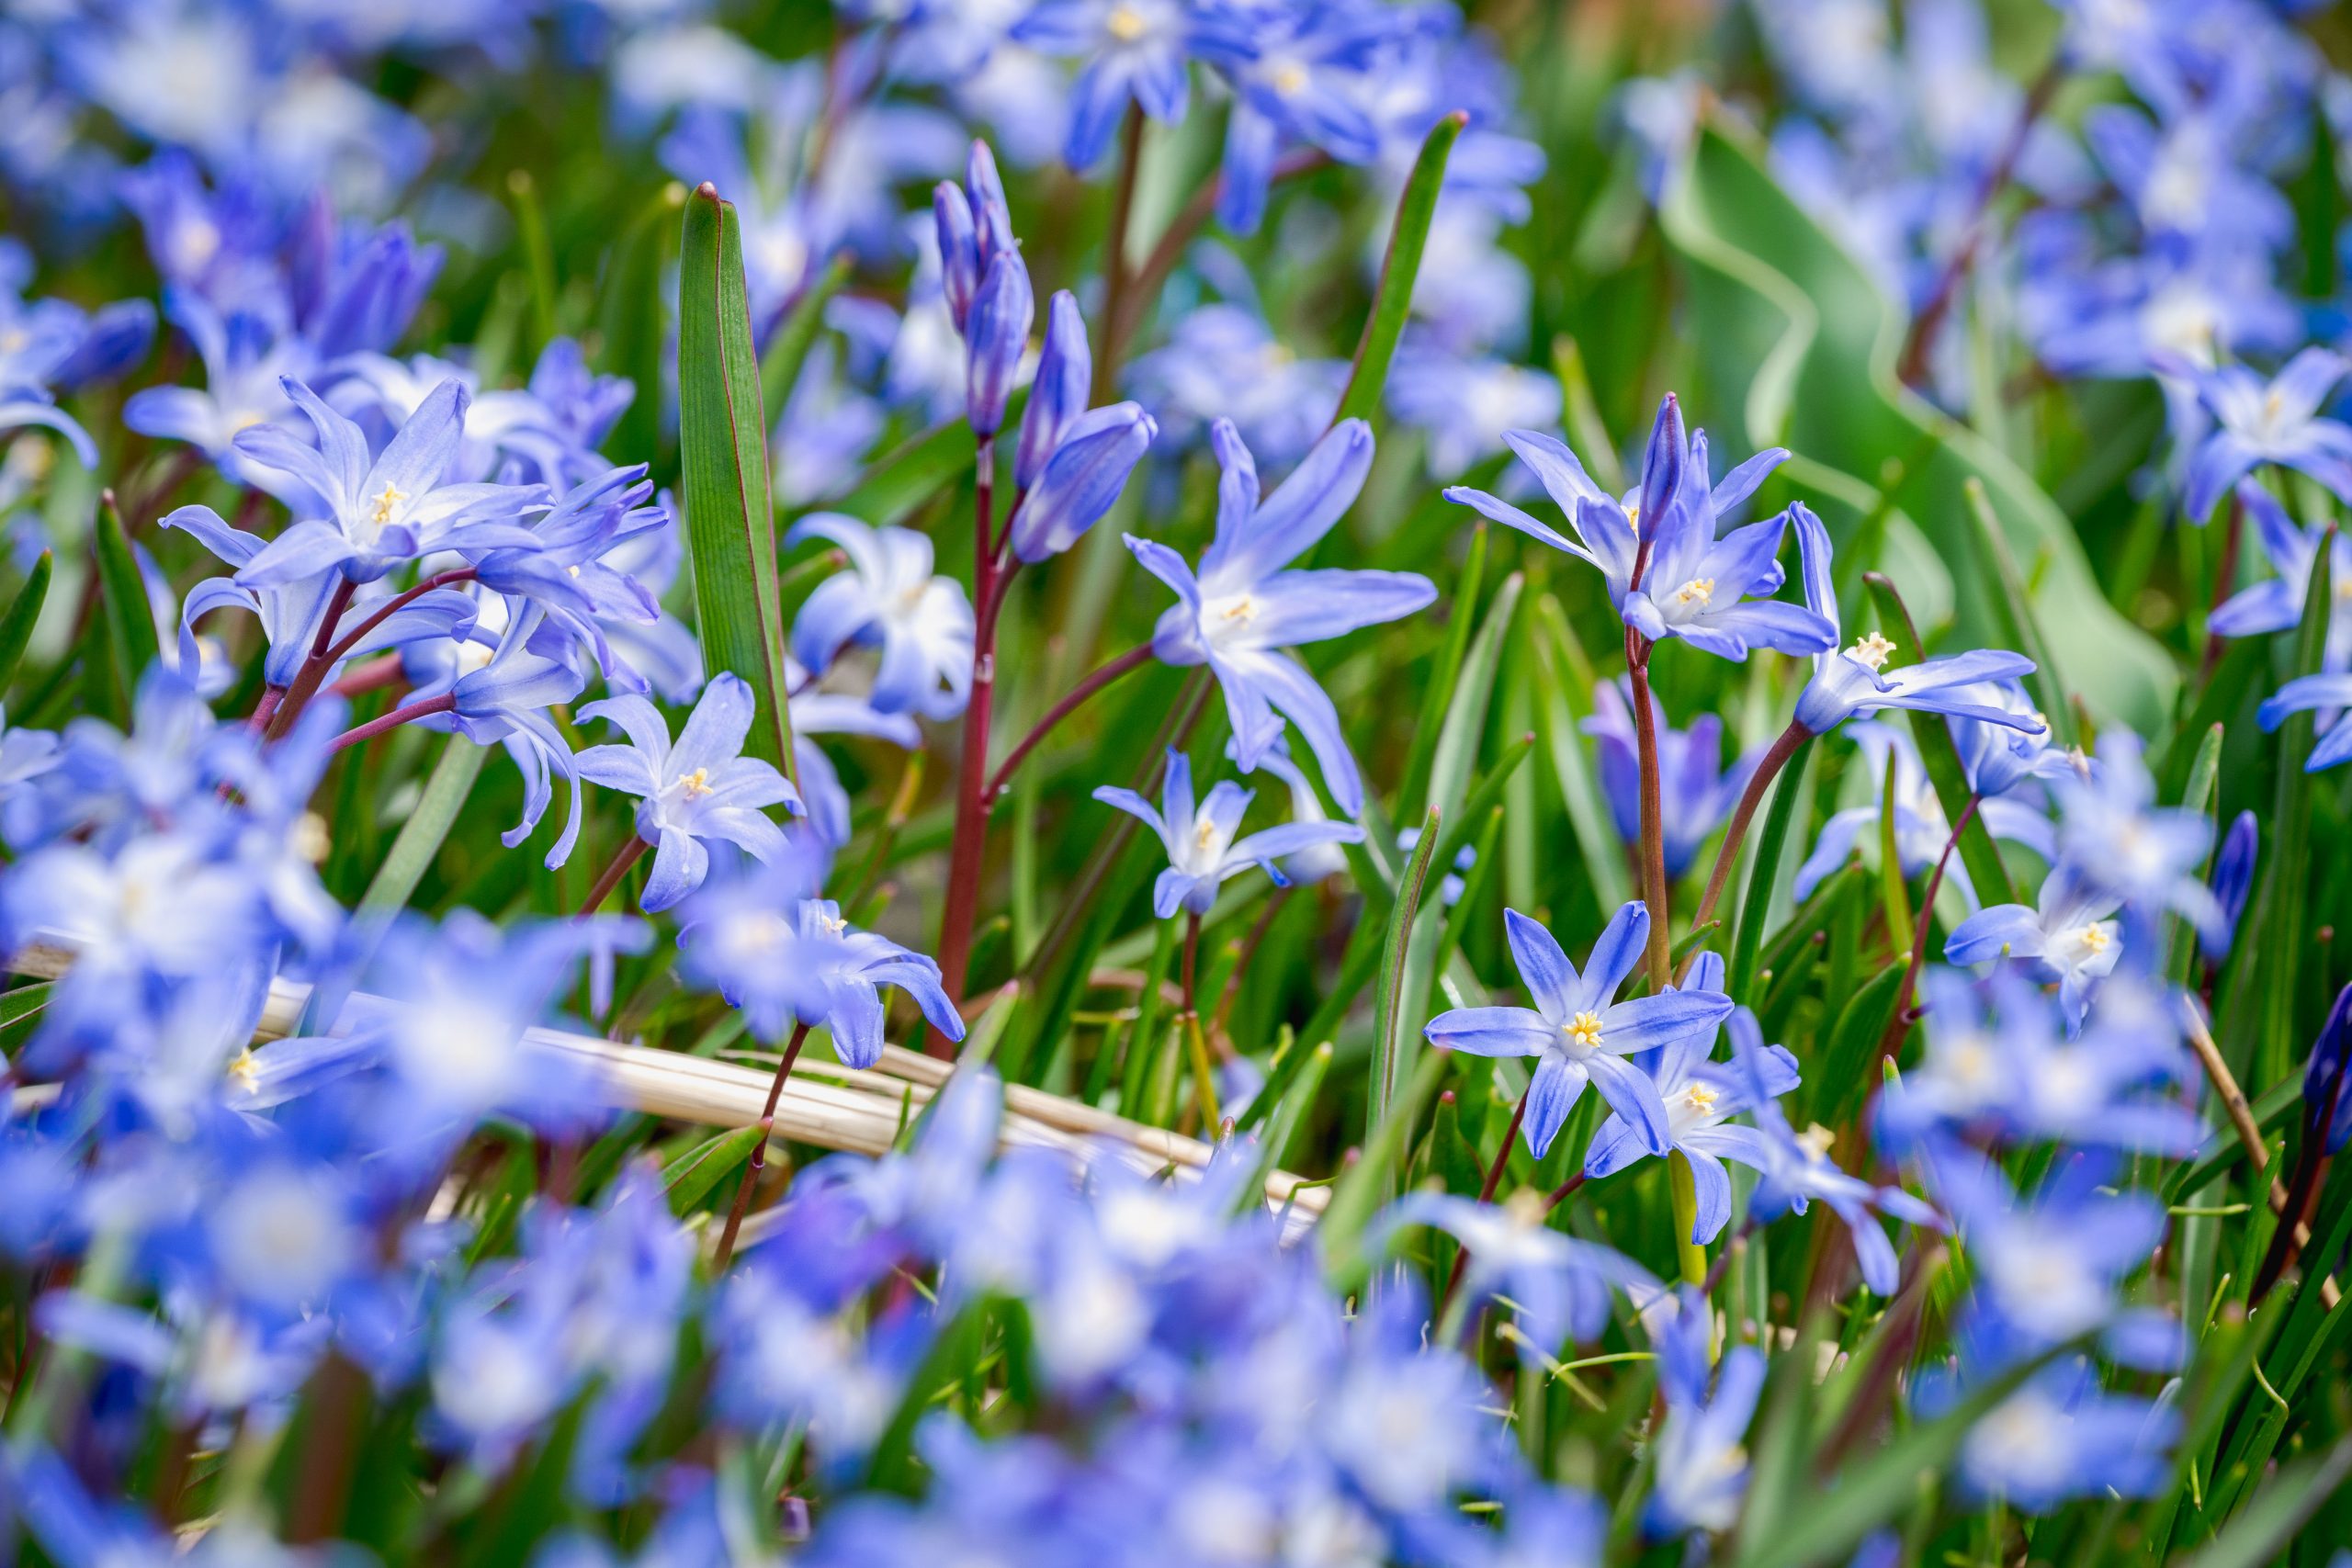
point(1126, 24)
point(385, 503)
point(1872, 651)
point(695, 785)
point(1699, 1099)
point(1289, 78)
point(1698, 590)
point(1583, 1030)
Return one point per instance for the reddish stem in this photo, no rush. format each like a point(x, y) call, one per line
point(398, 602)
point(1486, 1195)
point(1134, 659)
point(1901, 1021)
point(307, 680)
point(373, 676)
point(965, 854)
point(759, 1160)
point(422, 708)
point(1769, 769)
point(629, 856)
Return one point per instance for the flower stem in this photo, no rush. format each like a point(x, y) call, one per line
point(1133, 659)
point(1114, 251)
point(1893, 1040)
point(1486, 1195)
point(306, 680)
point(1654, 888)
point(392, 607)
point(1120, 326)
point(422, 708)
point(1790, 741)
point(628, 855)
point(1274, 902)
point(1693, 1257)
point(964, 853)
point(759, 1160)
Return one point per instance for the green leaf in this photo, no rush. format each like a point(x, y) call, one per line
point(1757, 906)
point(689, 1178)
point(427, 827)
point(1892, 893)
point(911, 474)
point(1406, 239)
point(2224, 1149)
point(1440, 695)
point(2270, 1523)
point(21, 1011)
point(1793, 337)
point(958, 1347)
point(129, 619)
point(1365, 1186)
point(539, 256)
point(788, 349)
point(2204, 777)
point(1567, 673)
point(1282, 1131)
point(2285, 927)
point(24, 612)
point(1946, 772)
point(633, 319)
point(722, 452)
point(2013, 610)
point(1388, 1026)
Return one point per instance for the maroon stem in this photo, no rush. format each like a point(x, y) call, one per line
point(1901, 1021)
point(1654, 894)
point(1921, 340)
point(307, 680)
point(629, 856)
point(965, 855)
point(1114, 251)
point(1486, 1195)
point(422, 708)
point(372, 676)
point(398, 602)
point(1149, 277)
point(1735, 832)
point(759, 1160)
point(1249, 944)
point(1134, 659)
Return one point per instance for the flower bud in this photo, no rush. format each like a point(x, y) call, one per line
point(2327, 1079)
point(2233, 880)
point(959, 268)
point(994, 341)
point(1065, 380)
point(1082, 479)
point(991, 218)
point(1661, 469)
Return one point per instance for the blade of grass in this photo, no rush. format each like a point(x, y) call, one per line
point(24, 612)
point(1406, 240)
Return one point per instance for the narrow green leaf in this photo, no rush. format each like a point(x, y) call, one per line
point(689, 1178)
point(1388, 1026)
point(722, 451)
point(909, 474)
point(2271, 1522)
point(979, 1044)
point(2285, 927)
point(1946, 772)
point(1563, 663)
point(539, 256)
point(1297, 1106)
point(129, 619)
point(1748, 936)
point(633, 319)
point(1892, 891)
point(1365, 1186)
point(894, 1467)
point(2013, 609)
point(1440, 695)
point(788, 349)
point(24, 612)
point(1406, 240)
point(2225, 1149)
point(2204, 778)
point(427, 827)
point(1466, 715)
point(21, 1012)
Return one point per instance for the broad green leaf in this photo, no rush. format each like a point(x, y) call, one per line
point(1406, 239)
point(427, 827)
point(1795, 339)
point(689, 1178)
point(722, 452)
point(24, 612)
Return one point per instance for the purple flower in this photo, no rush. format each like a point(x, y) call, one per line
point(504, 701)
point(2276, 602)
point(1702, 1466)
point(2117, 839)
point(2327, 1076)
point(1581, 1033)
point(987, 285)
point(889, 596)
point(1307, 80)
point(1203, 850)
point(1064, 382)
point(2067, 931)
point(1856, 681)
point(2232, 881)
point(1700, 1096)
point(1559, 1286)
point(363, 517)
point(1092, 461)
point(1242, 613)
point(1137, 50)
point(784, 959)
point(701, 788)
point(2332, 695)
point(2274, 422)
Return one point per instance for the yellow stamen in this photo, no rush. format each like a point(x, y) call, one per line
point(696, 785)
point(1290, 80)
point(1872, 651)
point(1584, 1029)
point(1699, 1097)
point(2095, 939)
point(245, 1068)
point(386, 501)
point(1126, 24)
point(1699, 590)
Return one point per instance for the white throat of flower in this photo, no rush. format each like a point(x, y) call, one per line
point(1872, 652)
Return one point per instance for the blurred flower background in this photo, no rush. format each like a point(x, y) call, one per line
point(599, 596)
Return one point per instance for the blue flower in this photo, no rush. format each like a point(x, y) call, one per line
point(1856, 680)
point(1560, 1287)
point(2274, 422)
point(1581, 1033)
point(2327, 1078)
point(2059, 1437)
point(787, 959)
point(245, 360)
point(1244, 611)
point(361, 517)
point(1137, 50)
point(2118, 840)
point(2330, 694)
point(1090, 462)
point(1700, 1474)
point(890, 597)
point(701, 788)
point(1697, 791)
point(1305, 80)
point(1700, 1096)
point(2232, 882)
point(1921, 829)
point(2276, 603)
point(2001, 1059)
point(2067, 931)
point(503, 701)
point(1203, 850)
